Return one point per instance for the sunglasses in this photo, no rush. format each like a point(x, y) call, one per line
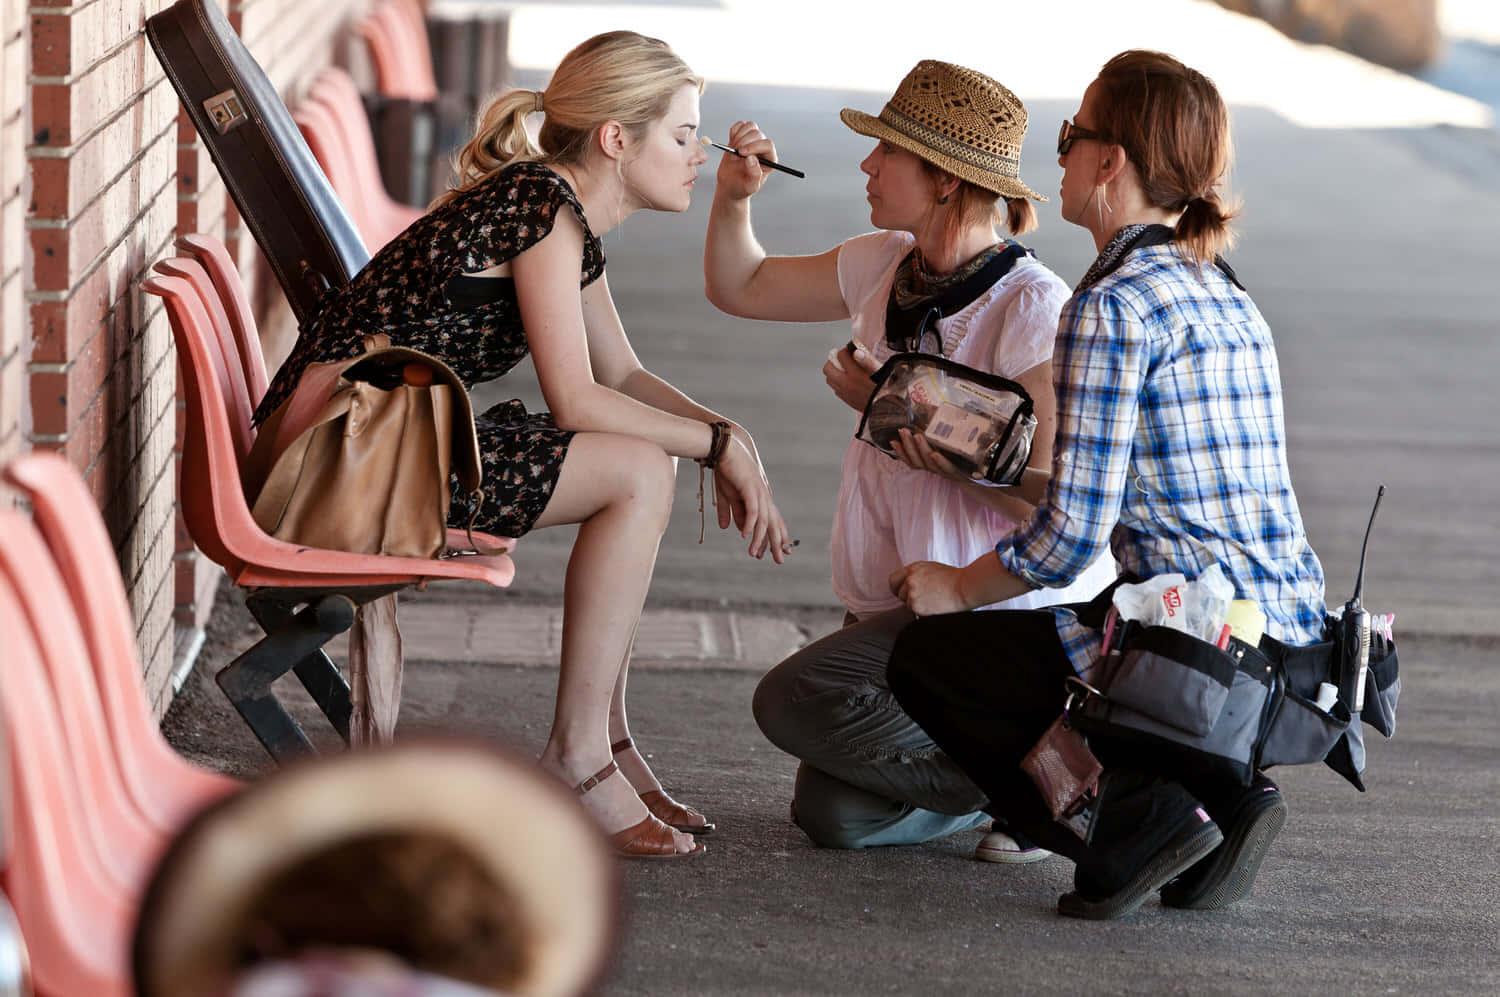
point(1070, 133)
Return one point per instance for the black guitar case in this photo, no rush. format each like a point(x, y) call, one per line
point(306, 235)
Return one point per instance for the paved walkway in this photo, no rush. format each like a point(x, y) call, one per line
point(481, 629)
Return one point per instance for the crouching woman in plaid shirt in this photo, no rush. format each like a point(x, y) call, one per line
point(1170, 448)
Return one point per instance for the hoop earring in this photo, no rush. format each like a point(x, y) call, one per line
point(1102, 203)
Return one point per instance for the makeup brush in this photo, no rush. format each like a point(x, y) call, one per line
point(764, 162)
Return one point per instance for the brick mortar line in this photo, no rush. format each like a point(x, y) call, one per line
point(76, 214)
point(88, 269)
point(34, 151)
point(37, 79)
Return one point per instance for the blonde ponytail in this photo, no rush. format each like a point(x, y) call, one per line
point(499, 139)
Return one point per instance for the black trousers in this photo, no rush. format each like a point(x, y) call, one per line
point(985, 686)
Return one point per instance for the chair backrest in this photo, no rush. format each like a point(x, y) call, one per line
point(383, 217)
point(329, 148)
point(76, 924)
point(125, 842)
point(161, 785)
point(236, 381)
point(399, 48)
point(210, 494)
point(214, 257)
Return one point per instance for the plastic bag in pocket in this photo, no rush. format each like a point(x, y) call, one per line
point(982, 423)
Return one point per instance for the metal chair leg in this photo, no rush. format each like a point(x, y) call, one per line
point(292, 640)
point(316, 671)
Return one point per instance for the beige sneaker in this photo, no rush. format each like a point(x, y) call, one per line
point(997, 846)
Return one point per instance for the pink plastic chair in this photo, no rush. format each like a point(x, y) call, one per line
point(164, 788)
point(380, 217)
point(326, 584)
point(75, 922)
point(400, 51)
point(124, 840)
point(326, 141)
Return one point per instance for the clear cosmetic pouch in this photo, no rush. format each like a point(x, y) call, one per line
point(983, 423)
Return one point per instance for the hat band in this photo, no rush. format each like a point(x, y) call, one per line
point(989, 162)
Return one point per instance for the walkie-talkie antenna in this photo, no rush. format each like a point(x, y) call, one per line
point(1359, 579)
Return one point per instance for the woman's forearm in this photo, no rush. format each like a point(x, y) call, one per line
point(647, 388)
point(681, 429)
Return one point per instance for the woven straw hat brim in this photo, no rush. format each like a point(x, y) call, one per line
point(873, 127)
point(526, 827)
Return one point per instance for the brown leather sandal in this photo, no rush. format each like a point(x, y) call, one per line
point(648, 838)
point(665, 809)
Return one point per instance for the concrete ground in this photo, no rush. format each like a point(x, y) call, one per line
point(1372, 254)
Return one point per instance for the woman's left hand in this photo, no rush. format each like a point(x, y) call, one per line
point(848, 374)
point(929, 588)
point(913, 450)
point(743, 495)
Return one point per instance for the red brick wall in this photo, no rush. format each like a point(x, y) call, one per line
point(99, 171)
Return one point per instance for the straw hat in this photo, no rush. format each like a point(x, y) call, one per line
point(557, 875)
point(958, 120)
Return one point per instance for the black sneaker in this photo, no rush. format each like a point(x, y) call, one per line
point(1225, 876)
point(1198, 837)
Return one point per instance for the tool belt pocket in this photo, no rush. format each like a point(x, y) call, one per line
point(1300, 731)
point(1173, 678)
point(1172, 702)
point(1382, 687)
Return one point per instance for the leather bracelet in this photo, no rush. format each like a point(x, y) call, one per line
point(718, 443)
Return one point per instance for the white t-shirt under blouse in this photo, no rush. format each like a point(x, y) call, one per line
point(889, 514)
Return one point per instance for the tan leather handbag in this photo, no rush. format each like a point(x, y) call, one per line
point(360, 454)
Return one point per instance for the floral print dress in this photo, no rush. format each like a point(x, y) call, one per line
point(414, 292)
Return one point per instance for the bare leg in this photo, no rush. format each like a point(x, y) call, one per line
point(619, 489)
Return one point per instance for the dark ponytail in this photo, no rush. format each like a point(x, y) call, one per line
point(1203, 229)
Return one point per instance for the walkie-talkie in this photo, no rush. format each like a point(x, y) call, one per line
point(1354, 628)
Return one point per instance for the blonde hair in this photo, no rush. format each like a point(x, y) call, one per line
point(1174, 128)
point(616, 76)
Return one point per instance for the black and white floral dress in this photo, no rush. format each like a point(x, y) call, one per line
point(414, 290)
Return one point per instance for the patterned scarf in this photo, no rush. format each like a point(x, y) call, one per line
point(1110, 256)
point(916, 285)
point(919, 297)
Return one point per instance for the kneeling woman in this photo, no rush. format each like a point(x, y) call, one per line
point(1171, 448)
point(937, 278)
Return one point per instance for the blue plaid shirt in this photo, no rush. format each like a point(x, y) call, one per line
point(1171, 447)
